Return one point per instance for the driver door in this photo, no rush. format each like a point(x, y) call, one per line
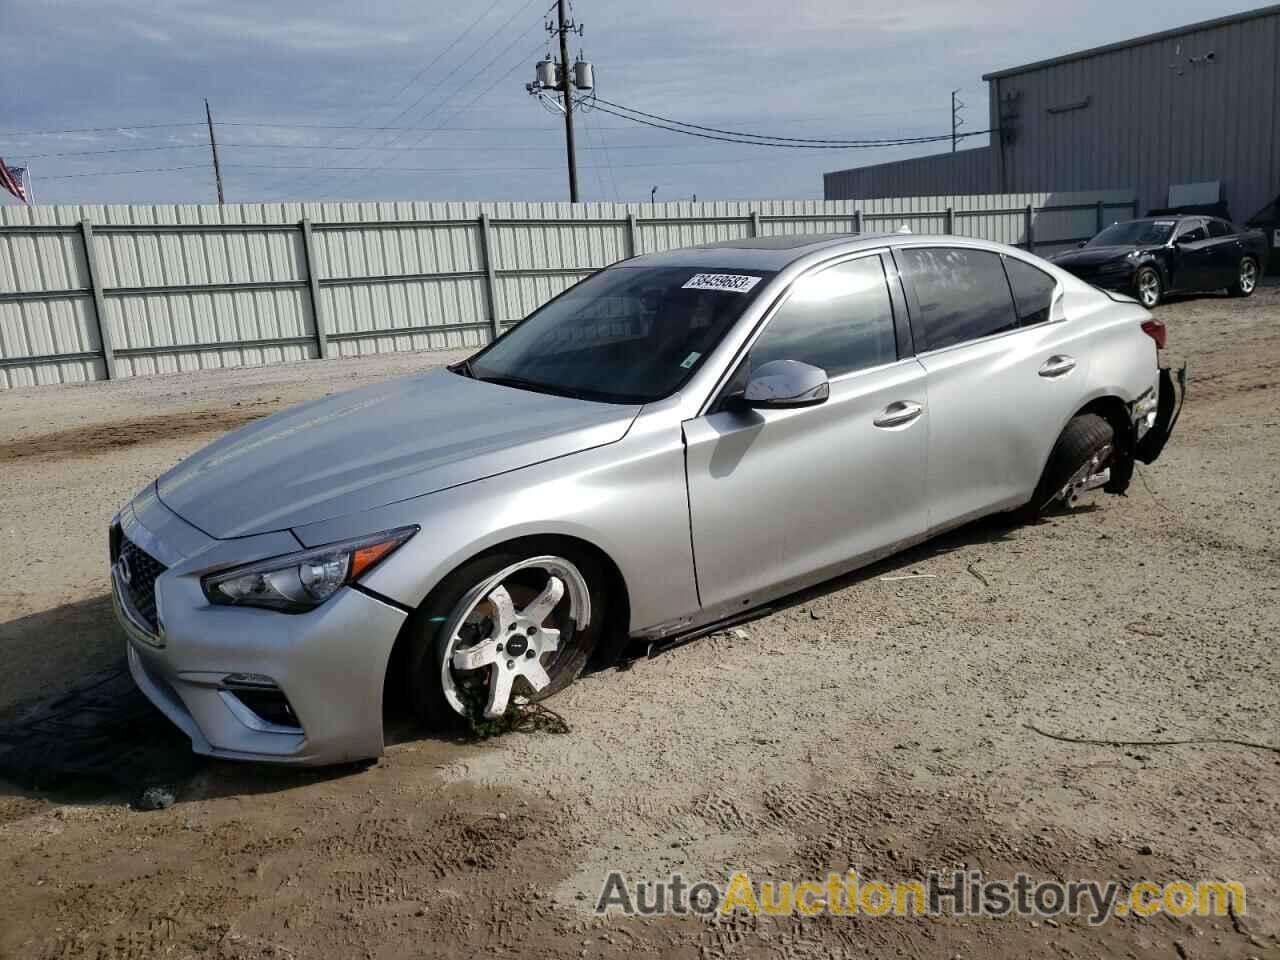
point(1195, 256)
point(783, 498)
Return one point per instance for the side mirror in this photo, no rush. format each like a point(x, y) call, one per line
point(785, 383)
point(1082, 244)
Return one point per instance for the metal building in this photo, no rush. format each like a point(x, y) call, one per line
point(1190, 112)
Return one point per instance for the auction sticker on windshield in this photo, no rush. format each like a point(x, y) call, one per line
point(733, 282)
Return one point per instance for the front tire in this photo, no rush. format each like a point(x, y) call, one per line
point(1246, 279)
point(1148, 287)
point(1085, 449)
point(515, 624)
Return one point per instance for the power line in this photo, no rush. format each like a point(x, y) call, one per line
point(96, 153)
point(121, 127)
point(121, 173)
point(454, 72)
point(222, 145)
point(473, 77)
point(467, 106)
point(340, 126)
point(469, 147)
point(469, 103)
point(599, 176)
point(337, 126)
point(440, 56)
point(456, 69)
point(762, 136)
point(475, 169)
point(604, 146)
point(816, 145)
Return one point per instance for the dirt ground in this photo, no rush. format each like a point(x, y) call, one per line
point(876, 724)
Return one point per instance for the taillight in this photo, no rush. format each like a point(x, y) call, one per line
point(1156, 330)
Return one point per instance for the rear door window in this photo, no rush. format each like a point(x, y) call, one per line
point(1218, 228)
point(1033, 291)
point(839, 319)
point(957, 294)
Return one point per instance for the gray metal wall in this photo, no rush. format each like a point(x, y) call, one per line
point(965, 171)
point(1144, 115)
point(89, 292)
point(1154, 117)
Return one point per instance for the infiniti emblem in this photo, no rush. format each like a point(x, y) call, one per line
point(126, 573)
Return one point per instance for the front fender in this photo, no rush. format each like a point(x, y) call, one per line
point(627, 499)
point(1164, 266)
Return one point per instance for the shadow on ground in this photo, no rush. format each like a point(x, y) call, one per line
point(103, 730)
point(994, 529)
point(104, 734)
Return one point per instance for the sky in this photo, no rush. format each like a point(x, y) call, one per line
point(298, 91)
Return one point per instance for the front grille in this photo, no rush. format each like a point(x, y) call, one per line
point(142, 570)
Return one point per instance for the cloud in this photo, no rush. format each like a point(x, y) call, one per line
point(810, 68)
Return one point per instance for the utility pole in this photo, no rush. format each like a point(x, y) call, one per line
point(213, 145)
point(956, 121)
point(566, 88)
point(554, 83)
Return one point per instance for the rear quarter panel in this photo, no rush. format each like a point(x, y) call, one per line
point(1122, 358)
point(1257, 242)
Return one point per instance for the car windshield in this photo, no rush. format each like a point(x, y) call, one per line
point(1135, 233)
point(628, 334)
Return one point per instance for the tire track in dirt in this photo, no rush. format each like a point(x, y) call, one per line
point(90, 440)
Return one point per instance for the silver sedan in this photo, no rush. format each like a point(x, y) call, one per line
point(673, 443)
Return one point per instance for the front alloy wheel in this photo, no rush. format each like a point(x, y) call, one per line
point(504, 631)
point(510, 626)
point(1148, 286)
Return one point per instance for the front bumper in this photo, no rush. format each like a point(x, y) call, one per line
point(211, 669)
point(1120, 278)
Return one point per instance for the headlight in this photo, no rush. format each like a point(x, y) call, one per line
point(1133, 254)
point(302, 581)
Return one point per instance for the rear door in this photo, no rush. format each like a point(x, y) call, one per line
point(1224, 251)
point(1003, 375)
point(781, 498)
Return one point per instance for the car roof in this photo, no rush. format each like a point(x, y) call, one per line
point(763, 253)
point(1166, 217)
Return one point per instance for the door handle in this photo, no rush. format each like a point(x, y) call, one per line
point(1058, 366)
point(898, 414)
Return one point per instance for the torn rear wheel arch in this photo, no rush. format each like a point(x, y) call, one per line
point(1119, 415)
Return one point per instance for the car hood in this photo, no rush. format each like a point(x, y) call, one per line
point(1095, 256)
point(377, 445)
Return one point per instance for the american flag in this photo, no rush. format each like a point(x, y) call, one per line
point(13, 179)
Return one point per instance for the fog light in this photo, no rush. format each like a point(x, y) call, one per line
point(270, 706)
point(256, 680)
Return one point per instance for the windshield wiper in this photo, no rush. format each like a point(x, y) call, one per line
point(464, 367)
point(590, 395)
point(520, 383)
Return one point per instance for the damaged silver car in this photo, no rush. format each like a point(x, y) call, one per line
point(673, 443)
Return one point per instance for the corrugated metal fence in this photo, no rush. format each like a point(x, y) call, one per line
point(94, 292)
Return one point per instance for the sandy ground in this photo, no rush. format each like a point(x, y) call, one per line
point(874, 724)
